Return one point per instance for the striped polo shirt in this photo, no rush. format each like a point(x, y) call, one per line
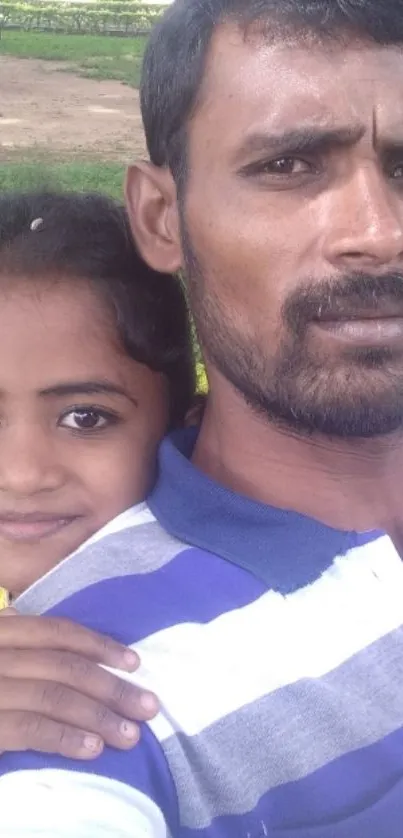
point(275, 645)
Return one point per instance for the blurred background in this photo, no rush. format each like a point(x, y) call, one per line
point(69, 109)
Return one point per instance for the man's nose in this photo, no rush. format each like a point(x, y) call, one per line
point(365, 223)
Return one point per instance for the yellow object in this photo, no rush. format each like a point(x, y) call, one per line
point(202, 383)
point(3, 598)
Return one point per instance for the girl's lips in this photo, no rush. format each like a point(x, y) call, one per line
point(31, 528)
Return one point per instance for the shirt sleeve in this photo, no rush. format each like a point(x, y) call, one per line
point(51, 803)
point(124, 794)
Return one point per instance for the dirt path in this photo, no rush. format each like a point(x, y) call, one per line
point(42, 108)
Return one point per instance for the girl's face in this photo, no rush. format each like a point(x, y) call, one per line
point(79, 424)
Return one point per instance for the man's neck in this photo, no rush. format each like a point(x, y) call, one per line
point(348, 485)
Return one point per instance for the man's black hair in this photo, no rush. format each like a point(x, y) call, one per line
point(176, 53)
point(88, 237)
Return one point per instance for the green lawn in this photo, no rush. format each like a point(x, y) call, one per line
point(94, 56)
point(78, 175)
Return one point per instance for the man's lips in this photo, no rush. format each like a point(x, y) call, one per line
point(32, 526)
point(368, 330)
point(381, 313)
point(378, 323)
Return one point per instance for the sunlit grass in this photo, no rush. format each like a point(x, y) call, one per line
point(78, 175)
point(93, 56)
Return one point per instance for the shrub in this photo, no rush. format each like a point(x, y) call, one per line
point(126, 17)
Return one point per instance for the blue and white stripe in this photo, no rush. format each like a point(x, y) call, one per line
point(282, 711)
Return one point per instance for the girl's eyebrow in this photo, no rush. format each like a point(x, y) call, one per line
point(87, 388)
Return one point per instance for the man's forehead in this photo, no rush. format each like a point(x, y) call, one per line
point(252, 77)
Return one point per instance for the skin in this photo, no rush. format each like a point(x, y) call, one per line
point(64, 439)
point(54, 696)
point(252, 228)
point(55, 337)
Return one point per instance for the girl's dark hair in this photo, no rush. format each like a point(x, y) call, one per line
point(88, 237)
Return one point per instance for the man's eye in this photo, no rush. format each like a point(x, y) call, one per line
point(285, 166)
point(86, 419)
point(397, 171)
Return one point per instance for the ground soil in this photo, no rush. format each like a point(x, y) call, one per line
point(45, 107)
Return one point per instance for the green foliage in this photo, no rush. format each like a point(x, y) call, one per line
point(125, 17)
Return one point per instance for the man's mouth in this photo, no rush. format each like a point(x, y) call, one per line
point(375, 325)
point(31, 527)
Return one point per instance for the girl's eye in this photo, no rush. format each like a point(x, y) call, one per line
point(86, 419)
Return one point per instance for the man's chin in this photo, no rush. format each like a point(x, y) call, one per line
point(360, 421)
point(346, 413)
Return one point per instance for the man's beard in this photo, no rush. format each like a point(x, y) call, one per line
point(356, 394)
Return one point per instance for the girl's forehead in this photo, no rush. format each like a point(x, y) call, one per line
point(59, 338)
point(53, 329)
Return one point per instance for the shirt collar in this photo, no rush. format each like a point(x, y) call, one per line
point(284, 549)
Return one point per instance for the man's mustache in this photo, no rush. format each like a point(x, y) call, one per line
point(343, 297)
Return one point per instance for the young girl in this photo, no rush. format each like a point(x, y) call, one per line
point(95, 366)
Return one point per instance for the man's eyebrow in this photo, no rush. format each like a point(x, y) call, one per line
point(299, 140)
point(86, 388)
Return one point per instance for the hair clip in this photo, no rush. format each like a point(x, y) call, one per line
point(36, 224)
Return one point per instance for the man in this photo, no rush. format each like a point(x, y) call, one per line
point(266, 596)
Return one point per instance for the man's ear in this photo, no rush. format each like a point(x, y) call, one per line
point(151, 203)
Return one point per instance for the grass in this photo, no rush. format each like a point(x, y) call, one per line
point(77, 175)
point(92, 56)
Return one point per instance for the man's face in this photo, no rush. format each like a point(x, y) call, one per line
point(292, 225)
